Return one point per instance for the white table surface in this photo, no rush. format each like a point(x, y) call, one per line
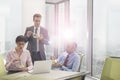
point(52, 75)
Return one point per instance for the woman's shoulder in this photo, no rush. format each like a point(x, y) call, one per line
point(11, 51)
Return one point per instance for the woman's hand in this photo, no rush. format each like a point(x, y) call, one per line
point(16, 59)
point(23, 68)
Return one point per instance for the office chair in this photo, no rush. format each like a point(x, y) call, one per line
point(111, 69)
point(81, 60)
point(2, 67)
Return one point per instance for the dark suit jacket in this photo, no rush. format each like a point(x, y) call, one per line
point(32, 42)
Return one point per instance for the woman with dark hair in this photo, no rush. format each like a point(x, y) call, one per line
point(19, 59)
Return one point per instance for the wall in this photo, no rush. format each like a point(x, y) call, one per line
point(15, 16)
point(29, 8)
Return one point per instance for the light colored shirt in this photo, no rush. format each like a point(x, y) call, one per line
point(72, 64)
point(38, 33)
point(38, 30)
point(25, 60)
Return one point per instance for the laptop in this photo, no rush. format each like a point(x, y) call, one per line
point(41, 67)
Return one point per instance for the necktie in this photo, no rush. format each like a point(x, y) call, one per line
point(66, 60)
point(36, 30)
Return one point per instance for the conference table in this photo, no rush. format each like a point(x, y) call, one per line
point(52, 75)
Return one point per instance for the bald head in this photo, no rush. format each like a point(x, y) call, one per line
point(70, 47)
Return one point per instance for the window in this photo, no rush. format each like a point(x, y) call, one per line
point(106, 27)
point(78, 22)
point(10, 20)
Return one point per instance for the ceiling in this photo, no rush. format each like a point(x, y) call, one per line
point(54, 1)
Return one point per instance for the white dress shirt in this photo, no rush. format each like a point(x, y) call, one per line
point(38, 33)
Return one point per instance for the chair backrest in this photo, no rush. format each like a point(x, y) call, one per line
point(2, 67)
point(81, 58)
point(111, 69)
point(81, 77)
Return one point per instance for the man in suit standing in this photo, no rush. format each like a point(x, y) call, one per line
point(37, 37)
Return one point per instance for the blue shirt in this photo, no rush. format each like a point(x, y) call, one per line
point(72, 64)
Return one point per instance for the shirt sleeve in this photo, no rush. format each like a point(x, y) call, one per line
point(61, 58)
point(8, 61)
point(27, 37)
point(29, 62)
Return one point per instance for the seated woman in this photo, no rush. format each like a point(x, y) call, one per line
point(19, 59)
point(69, 60)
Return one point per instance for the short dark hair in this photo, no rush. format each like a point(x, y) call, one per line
point(20, 38)
point(36, 15)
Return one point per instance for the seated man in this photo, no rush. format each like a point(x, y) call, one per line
point(69, 60)
point(18, 59)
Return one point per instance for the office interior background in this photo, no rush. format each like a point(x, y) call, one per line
point(93, 24)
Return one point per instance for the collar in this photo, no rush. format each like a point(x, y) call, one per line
point(35, 27)
point(14, 50)
point(70, 54)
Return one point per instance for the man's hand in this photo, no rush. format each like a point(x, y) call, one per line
point(29, 33)
point(52, 57)
point(39, 37)
point(57, 65)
